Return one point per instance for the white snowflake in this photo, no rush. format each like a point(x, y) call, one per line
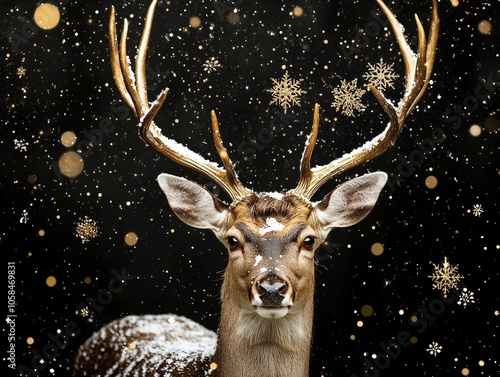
point(286, 92)
point(466, 297)
point(380, 75)
point(347, 97)
point(21, 145)
point(434, 348)
point(477, 210)
point(445, 277)
point(211, 65)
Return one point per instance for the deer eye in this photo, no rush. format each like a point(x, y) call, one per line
point(308, 243)
point(233, 243)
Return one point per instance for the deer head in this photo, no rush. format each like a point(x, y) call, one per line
point(270, 238)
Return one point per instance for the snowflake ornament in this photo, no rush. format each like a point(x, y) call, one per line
point(380, 75)
point(347, 97)
point(445, 277)
point(286, 92)
point(434, 348)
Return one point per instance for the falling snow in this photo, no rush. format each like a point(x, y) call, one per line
point(21, 145)
point(56, 81)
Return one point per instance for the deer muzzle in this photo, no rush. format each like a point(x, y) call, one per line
point(271, 295)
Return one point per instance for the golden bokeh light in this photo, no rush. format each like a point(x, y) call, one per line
point(431, 182)
point(71, 164)
point(377, 249)
point(485, 27)
point(87, 280)
point(30, 340)
point(455, 3)
point(359, 323)
point(68, 139)
point(51, 281)
point(47, 16)
point(41, 232)
point(195, 22)
point(366, 310)
point(233, 18)
point(475, 130)
point(213, 366)
point(298, 11)
point(465, 372)
point(31, 179)
point(131, 239)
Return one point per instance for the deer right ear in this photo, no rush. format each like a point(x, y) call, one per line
point(192, 203)
point(351, 202)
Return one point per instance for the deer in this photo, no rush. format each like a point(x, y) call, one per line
point(268, 286)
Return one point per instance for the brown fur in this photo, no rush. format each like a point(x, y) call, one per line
point(253, 210)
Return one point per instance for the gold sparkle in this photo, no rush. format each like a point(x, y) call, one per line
point(87, 229)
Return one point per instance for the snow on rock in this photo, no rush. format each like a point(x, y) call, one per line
point(148, 345)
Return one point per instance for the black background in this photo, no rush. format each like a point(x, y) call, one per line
point(68, 87)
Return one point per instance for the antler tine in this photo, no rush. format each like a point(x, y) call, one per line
point(418, 70)
point(133, 89)
point(115, 60)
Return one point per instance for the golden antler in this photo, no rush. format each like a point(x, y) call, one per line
point(133, 89)
point(418, 71)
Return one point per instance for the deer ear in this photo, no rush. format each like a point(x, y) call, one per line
point(193, 204)
point(351, 202)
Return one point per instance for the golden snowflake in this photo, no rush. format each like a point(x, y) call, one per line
point(21, 71)
point(380, 75)
point(87, 229)
point(84, 312)
point(211, 65)
point(347, 97)
point(286, 92)
point(445, 277)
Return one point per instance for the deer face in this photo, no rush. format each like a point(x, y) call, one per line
point(271, 238)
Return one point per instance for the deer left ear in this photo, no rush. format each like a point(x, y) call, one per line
point(350, 202)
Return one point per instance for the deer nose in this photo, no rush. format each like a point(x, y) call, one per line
point(271, 286)
point(271, 290)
